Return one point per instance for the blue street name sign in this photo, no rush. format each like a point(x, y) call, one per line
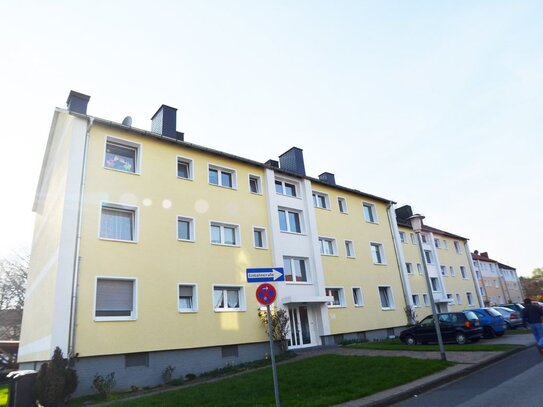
point(264, 275)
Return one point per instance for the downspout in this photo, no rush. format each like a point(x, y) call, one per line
point(473, 275)
point(77, 260)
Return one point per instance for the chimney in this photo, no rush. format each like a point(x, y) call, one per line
point(164, 122)
point(476, 252)
point(404, 212)
point(272, 163)
point(484, 254)
point(293, 160)
point(328, 177)
point(77, 102)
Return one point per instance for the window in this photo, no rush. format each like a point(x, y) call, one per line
point(419, 269)
point(385, 295)
point(457, 247)
point(122, 155)
point(337, 295)
point(424, 238)
point(118, 222)
point(289, 221)
point(320, 200)
point(428, 256)
point(184, 168)
point(224, 234)
point(402, 237)
point(284, 188)
point(470, 298)
point(369, 212)
point(188, 300)
point(458, 299)
point(443, 270)
point(228, 298)
point(259, 238)
point(426, 300)
point(437, 243)
point(416, 300)
point(222, 177)
point(295, 269)
point(450, 298)
point(451, 271)
point(115, 299)
point(463, 272)
point(409, 268)
point(445, 244)
point(342, 204)
point(185, 228)
point(349, 248)
point(357, 297)
point(136, 359)
point(255, 184)
point(328, 246)
point(413, 238)
point(435, 283)
point(377, 253)
point(230, 351)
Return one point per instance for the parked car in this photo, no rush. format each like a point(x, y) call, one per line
point(459, 327)
point(491, 321)
point(516, 306)
point(512, 318)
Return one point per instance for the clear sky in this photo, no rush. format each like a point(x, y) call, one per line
point(437, 104)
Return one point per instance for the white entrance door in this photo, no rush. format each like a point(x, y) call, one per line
point(300, 327)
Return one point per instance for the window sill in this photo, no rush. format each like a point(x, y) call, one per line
point(224, 187)
point(185, 178)
point(228, 310)
point(351, 257)
point(225, 245)
point(299, 282)
point(388, 309)
point(358, 305)
point(186, 240)
point(329, 255)
point(293, 233)
point(187, 311)
point(123, 171)
point(256, 193)
point(114, 319)
point(337, 306)
point(260, 248)
point(320, 207)
point(379, 264)
point(107, 239)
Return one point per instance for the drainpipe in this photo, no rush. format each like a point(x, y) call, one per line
point(77, 260)
point(473, 275)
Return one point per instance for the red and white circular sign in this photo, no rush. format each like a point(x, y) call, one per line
point(265, 294)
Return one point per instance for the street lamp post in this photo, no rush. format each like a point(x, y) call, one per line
point(416, 224)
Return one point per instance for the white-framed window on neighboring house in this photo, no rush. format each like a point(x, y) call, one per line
point(185, 229)
point(409, 268)
point(413, 238)
point(342, 204)
point(115, 299)
point(450, 298)
point(122, 155)
point(386, 297)
point(428, 256)
point(403, 237)
point(185, 168)
point(420, 269)
point(370, 214)
point(221, 176)
point(289, 221)
point(295, 269)
point(255, 184)
point(496, 284)
point(458, 299)
point(445, 244)
point(224, 233)
point(416, 300)
point(320, 200)
point(337, 295)
point(463, 272)
point(377, 253)
point(357, 297)
point(451, 271)
point(435, 283)
point(424, 238)
point(228, 298)
point(469, 297)
point(443, 270)
point(481, 291)
point(328, 246)
point(260, 239)
point(187, 297)
point(285, 188)
point(426, 300)
point(437, 243)
point(118, 222)
point(457, 247)
point(349, 249)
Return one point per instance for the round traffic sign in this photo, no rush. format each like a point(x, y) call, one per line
point(265, 294)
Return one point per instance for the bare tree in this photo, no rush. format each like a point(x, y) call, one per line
point(13, 275)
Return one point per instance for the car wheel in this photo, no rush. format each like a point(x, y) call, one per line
point(488, 332)
point(410, 340)
point(461, 338)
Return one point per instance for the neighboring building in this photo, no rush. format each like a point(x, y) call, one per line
point(449, 265)
point(499, 283)
point(10, 324)
point(142, 241)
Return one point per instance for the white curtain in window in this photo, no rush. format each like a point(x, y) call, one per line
point(218, 298)
point(117, 224)
point(233, 298)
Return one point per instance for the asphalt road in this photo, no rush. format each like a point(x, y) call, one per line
point(514, 381)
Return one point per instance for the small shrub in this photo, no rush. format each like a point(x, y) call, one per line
point(104, 385)
point(134, 389)
point(167, 374)
point(176, 382)
point(55, 381)
point(190, 376)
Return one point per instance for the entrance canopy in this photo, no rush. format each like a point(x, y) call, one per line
point(314, 299)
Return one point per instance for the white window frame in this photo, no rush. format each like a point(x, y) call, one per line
point(327, 242)
point(420, 269)
point(292, 262)
point(451, 271)
point(192, 228)
point(318, 198)
point(360, 302)
point(409, 267)
point(428, 257)
point(134, 313)
point(371, 211)
point(445, 244)
point(264, 236)
point(450, 298)
point(416, 300)
point(458, 299)
point(222, 226)
point(121, 208)
point(283, 189)
point(381, 250)
point(463, 272)
point(287, 220)
point(390, 296)
point(258, 180)
point(426, 300)
point(457, 247)
point(437, 243)
point(403, 237)
point(342, 204)
point(194, 307)
point(220, 170)
point(225, 287)
point(435, 287)
point(349, 246)
point(340, 297)
point(443, 270)
point(469, 297)
point(190, 167)
point(137, 147)
point(413, 238)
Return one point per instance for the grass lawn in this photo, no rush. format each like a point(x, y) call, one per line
point(396, 344)
point(518, 331)
point(320, 381)
point(4, 395)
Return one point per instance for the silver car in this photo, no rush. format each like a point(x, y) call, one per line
point(512, 318)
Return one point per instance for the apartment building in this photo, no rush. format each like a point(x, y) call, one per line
point(499, 283)
point(142, 241)
point(511, 284)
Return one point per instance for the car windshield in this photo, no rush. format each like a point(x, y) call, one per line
point(470, 315)
point(492, 312)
